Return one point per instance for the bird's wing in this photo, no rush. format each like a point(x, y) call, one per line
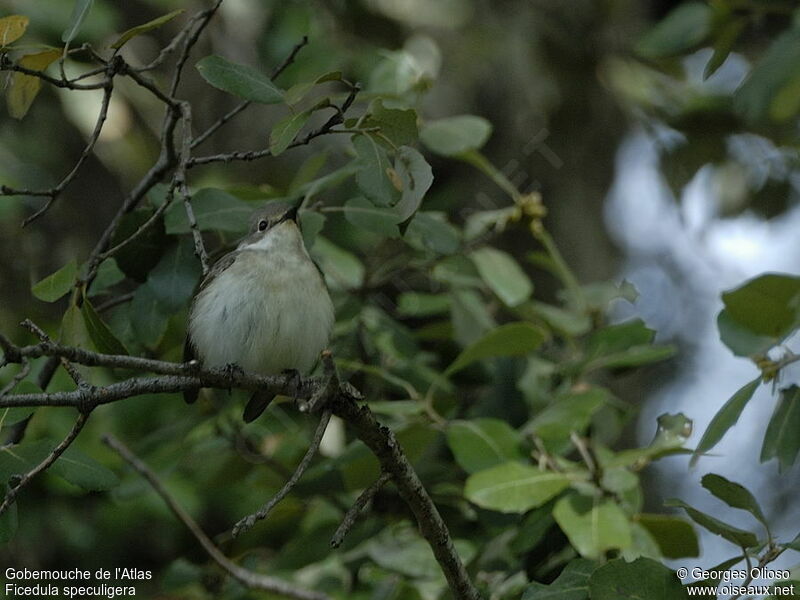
point(190, 396)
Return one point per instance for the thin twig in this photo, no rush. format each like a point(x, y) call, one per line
point(247, 522)
point(115, 301)
point(21, 374)
point(248, 578)
point(45, 464)
point(359, 506)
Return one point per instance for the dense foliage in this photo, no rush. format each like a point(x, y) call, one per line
point(503, 397)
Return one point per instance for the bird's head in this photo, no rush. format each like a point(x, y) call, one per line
point(276, 221)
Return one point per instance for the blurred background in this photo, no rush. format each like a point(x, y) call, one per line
point(646, 170)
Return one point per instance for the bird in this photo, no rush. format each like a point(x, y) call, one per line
point(263, 307)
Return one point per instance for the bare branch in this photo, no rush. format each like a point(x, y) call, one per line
point(45, 464)
point(189, 42)
point(250, 520)
point(325, 129)
point(360, 505)
point(248, 578)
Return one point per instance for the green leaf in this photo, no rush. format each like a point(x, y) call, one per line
point(568, 412)
point(415, 304)
point(766, 305)
point(723, 44)
point(10, 416)
point(470, 317)
point(431, 231)
point(145, 27)
point(21, 458)
point(398, 125)
point(593, 526)
point(374, 167)
point(137, 258)
point(512, 339)
point(514, 487)
point(175, 277)
point(363, 214)
point(759, 98)
point(342, 269)
point(74, 331)
point(503, 275)
point(12, 28)
point(456, 135)
point(311, 223)
point(685, 27)
point(416, 176)
point(148, 317)
point(102, 337)
point(625, 345)
point(25, 88)
point(733, 494)
point(642, 579)
point(55, 285)
point(740, 340)
point(214, 210)
point(479, 444)
point(572, 323)
point(83, 471)
point(298, 91)
point(725, 418)
point(571, 584)
point(285, 130)
point(240, 80)
point(740, 537)
point(108, 275)
point(782, 439)
point(675, 537)
point(80, 11)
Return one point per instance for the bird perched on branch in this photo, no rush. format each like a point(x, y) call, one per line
point(263, 307)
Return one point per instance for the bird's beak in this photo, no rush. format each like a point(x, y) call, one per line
point(291, 214)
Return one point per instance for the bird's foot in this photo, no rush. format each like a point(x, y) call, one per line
point(295, 381)
point(232, 370)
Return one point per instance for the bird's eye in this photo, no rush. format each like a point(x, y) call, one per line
point(262, 225)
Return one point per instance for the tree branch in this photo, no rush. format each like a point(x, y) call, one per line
point(246, 577)
point(360, 505)
point(247, 522)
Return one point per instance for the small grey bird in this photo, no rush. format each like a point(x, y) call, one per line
point(263, 307)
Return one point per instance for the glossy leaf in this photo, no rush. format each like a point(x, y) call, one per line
point(416, 176)
point(432, 231)
point(175, 277)
point(675, 537)
point(514, 487)
point(148, 317)
point(782, 438)
point(479, 444)
point(12, 28)
point(83, 471)
point(140, 256)
point(80, 10)
point(637, 580)
point(726, 417)
point(145, 27)
point(733, 494)
point(365, 215)
point(415, 304)
point(737, 536)
point(503, 275)
point(240, 80)
point(759, 98)
point(103, 338)
point(685, 27)
point(592, 526)
point(398, 125)
point(57, 284)
point(760, 313)
point(512, 339)
point(456, 135)
point(25, 88)
point(214, 210)
point(571, 584)
point(373, 167)
point(285, 130)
